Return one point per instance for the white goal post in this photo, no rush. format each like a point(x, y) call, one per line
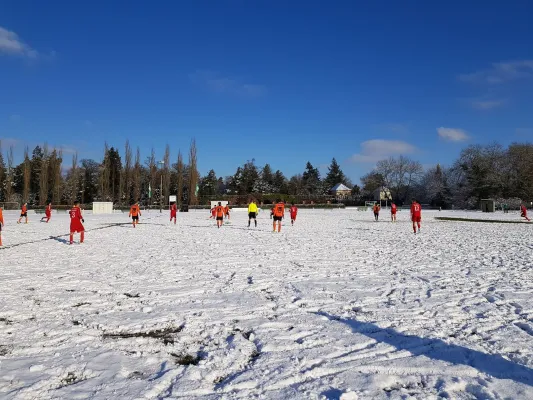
point(102, 207)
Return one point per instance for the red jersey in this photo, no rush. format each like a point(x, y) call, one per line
point(416, 210)
point(24, 210)
point(393, 209)
point(523, 209)
point(75, 220)
point(214, 211)
point(48, 211)
point(293, 210)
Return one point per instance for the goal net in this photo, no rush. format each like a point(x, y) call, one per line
point(102, 207)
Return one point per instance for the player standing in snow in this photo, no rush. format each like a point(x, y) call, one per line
point(219, 212)
point(293, 211)
point(1, 224)
point(76, 219)
point(47, 213)
point(213, 212)
point(279, 214)
point(252, 213)
point(226, 211)
point(393, 210)
point(523, 212)
point(135, 213)
point(173, 212)
point(416, 215)
point(376, 209)
point(23, 213)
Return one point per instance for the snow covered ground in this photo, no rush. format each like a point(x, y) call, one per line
point(336, 307)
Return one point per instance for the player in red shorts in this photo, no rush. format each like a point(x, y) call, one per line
point(523, 212)
point(1, 224)
point(47, 213)
point(76, 219)
point(213, 212)
point(293, 211)
point(173, 212)
point(393, 210)
point(416, 215)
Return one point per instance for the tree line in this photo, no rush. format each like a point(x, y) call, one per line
point(45, 175)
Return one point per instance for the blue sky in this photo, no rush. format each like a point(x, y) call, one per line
point(281, 82)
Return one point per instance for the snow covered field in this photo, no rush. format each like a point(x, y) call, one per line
point(336, 307)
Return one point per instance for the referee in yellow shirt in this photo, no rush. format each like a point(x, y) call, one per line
point(252, 213)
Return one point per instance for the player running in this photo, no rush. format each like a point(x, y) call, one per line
point(76, 220)
point(226, 211)
point(47, 213)
point(279, 214)
point(252, 213)
point(135, 213)
point(23, 213)
point(1, 224)
point(213, 212)
point(173, 212)
point(523, 212)
point(376, 209)
point(393, 211)
point(416, 215)
point(219, 212)
point(293, 211)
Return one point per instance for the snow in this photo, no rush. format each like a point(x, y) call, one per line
point(336, 307)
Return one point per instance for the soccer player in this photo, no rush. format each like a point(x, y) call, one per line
point(279, 214)
point(76, 220)
point(393, 210)
point(376, 209)
point(173, 212)
point(523, 212)
point(1, 224)
point(252, 213)
point(213, 212)
point(416, 215)
point(219, 212)
point(23, 213)
point(135, 213)
point(226, 211)
point(293, 211)
point(47, 213)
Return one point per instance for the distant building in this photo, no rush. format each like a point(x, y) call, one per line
point(341, 191)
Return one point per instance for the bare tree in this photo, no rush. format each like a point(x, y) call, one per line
point(43, 178)
point(166, 173)
point(137, 176)
point(2, 174)
point(193, 173)
point(127, 185)
point(58, 192)
point(151, 163)
point(180, 178)
point(73, 181)
point(10, 172)
point(399, 175)
point(26, 174)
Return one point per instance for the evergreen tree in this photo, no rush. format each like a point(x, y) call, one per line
point(265, 184)
point(334, 176)
point(280, 183)
point(208, 186)
point(311, 180)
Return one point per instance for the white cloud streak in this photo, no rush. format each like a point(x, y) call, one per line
point(378, 149)
point(501, 72)
point(487, 104)
point(11, 44)
point(218, 84)
point(452, 134)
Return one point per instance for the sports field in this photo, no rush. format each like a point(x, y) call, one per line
point(335, 307)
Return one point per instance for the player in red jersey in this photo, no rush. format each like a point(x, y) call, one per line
point(393, 210)
point(376, 210)
point(23, 213)
point(226, 211)
point(279, 214)
point(416, 215)
point(135, 213)
point(76, 220)
point(173, 212)
point(219, 212)
point(523, 212)
point(47, 213)
point(1, 224)
point(293, 211)
point(213, 212)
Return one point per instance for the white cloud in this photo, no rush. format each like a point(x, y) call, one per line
point(218, 84)
point(8, 142)
point(452, 134)
point(501, 72)
point(11, 44)
point(378, 149)
point(487, 104)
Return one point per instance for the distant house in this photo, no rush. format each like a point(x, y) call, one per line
point(341, 191)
